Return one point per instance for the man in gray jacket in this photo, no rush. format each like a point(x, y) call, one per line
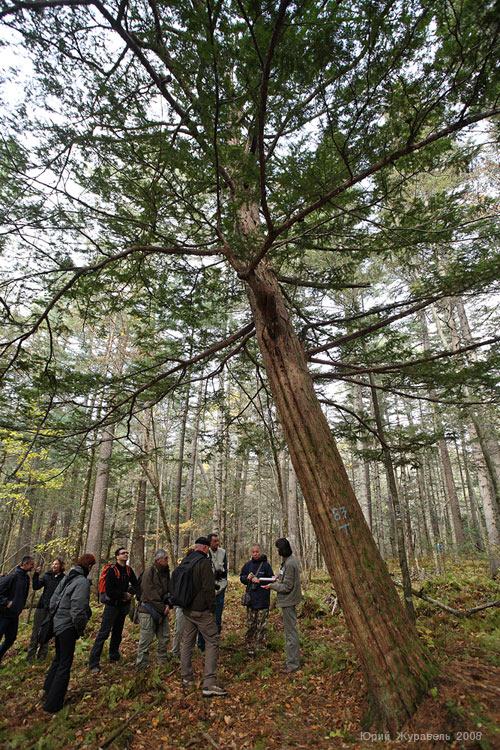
point(70, 607)
point(289, 595)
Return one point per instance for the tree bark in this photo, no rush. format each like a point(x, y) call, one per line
point(98, 512)
point(180, 466)
point(190, 481)
point(293, 510)
point(395, 662)
point(394, 495)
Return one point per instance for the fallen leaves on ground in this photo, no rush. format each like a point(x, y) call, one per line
point(319, 707)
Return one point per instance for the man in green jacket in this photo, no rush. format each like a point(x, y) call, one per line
point(201, 616)
point(153, 611)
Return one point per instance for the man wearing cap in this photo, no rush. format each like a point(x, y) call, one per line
point(200, 615)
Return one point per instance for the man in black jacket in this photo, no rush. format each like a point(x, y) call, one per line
point(120, 584)
point(201, 616)
point(49, 582)
point(13, 594)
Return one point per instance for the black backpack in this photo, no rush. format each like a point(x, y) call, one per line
point(181, 581)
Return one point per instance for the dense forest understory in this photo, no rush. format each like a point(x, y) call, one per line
point(319, 707)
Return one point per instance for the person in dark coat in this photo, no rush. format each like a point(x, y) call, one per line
point(201, 616)
point(49, 582)
point(258, 609)
point(13, 594)
point(70, 606)
point(120, 583)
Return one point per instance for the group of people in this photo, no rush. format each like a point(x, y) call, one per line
point(66, 598)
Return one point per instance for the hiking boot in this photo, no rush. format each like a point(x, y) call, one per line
point(289, 670)
point(96, 670)
point(187, 683)
point(214, 690)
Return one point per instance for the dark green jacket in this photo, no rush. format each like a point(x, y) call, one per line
point(154, 589)
point(204, 585)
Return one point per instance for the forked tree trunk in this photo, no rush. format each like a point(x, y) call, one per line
point(395, 663)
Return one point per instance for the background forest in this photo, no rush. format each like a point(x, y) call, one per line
point(208, 453)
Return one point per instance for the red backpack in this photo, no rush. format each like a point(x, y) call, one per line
point(103, 597)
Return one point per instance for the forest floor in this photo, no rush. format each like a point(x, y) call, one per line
point(319, 707)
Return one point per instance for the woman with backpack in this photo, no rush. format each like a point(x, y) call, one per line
point(70, 607)
point(49, 582)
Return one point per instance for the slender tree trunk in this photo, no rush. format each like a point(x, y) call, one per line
point(480, 417)
point(293, 510)
point(395, 663)
point(381, 537)
point(489, 512)
point(111, 535)
point(96, 522)
point(219, 500)
point(180, 467)
point(449, 482)
point(364, 494)
point(240, 519)
point(190, 481)
point(393, 491)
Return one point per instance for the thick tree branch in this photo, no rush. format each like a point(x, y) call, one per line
point(319, 285)
point(355, 370)
point(446, 608)
point(79, 274)
point(390, 159)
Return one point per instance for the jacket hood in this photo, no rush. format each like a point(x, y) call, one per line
point(261, 559)
point(77, 570)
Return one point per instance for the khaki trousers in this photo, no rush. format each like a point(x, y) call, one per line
point(148, 631)
point(291, 637)
point(204, 622)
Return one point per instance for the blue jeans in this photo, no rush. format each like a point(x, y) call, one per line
point(219, 606)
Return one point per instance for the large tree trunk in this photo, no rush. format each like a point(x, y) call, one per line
point(395, 663)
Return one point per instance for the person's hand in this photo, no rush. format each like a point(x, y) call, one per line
point(250, 576)
point(37, 570)
point(128, 596)
point(166, 610)
point(267, 586)
point(255, 579)
point(9, 605)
